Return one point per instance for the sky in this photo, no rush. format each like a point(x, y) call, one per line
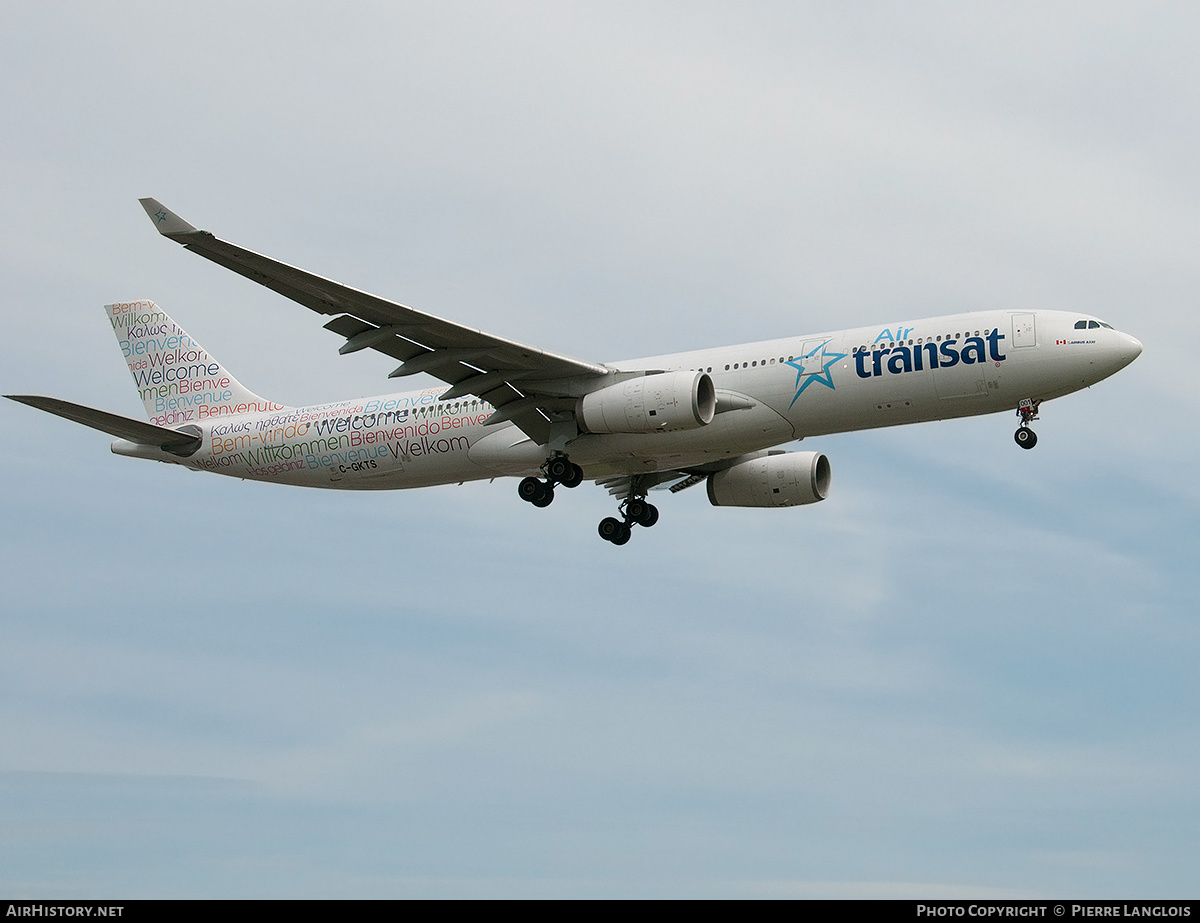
point(970, 672)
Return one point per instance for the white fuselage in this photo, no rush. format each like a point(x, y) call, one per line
point(787, 389)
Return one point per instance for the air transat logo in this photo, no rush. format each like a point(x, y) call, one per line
point(160, 216)
point(940, 353)
point(814, 365)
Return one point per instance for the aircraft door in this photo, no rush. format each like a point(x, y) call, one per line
point(812, 357)
point(1024, 330)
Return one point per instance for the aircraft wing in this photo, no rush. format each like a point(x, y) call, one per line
point(122, 427)
point(526, 385)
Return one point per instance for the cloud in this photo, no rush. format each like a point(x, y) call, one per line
point(968, 672)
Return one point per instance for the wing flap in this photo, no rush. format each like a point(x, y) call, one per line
point(620, 485)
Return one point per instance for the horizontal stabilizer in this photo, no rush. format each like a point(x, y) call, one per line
point(122, 427)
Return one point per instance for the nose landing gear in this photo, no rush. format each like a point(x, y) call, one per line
point(559, 470)
point(1027, 410)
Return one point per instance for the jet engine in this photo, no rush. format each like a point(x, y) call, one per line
point(657, 403)
point(787, 479)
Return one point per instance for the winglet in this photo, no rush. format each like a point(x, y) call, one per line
point(167, 222)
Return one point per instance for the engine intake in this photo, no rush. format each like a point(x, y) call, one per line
point(789, 479)
point(657, 403)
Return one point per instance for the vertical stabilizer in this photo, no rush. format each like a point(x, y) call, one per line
point(179, 382)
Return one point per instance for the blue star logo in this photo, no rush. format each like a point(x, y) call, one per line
point(814, 366)
point(161, 216)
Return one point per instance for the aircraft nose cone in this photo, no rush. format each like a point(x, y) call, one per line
point(1130, 348)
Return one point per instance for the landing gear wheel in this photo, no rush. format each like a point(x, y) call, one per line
point(545, 498)
point(623, 537)
point(559, 468)
point(530, 489)
point(639, 511)
point(574, 478)
point(611, 529)
point(1025, 437)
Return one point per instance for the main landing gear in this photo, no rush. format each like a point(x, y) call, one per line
point(635, 511)
point(559, 470)
point(1027, 410)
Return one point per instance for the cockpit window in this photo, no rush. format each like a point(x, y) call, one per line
point(1081, 325)
point(1109, 326)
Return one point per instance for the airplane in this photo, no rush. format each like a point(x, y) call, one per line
point(712, 416)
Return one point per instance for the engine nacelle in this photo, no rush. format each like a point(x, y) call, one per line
point(790, 479)
point(650, 404)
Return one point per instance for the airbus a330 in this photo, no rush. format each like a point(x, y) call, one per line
point(713, 416)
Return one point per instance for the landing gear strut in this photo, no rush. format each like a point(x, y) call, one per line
point(635, 511)
point(1027, 410)
point(559, 470)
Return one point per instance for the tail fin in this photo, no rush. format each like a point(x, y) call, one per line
point(178, 381)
